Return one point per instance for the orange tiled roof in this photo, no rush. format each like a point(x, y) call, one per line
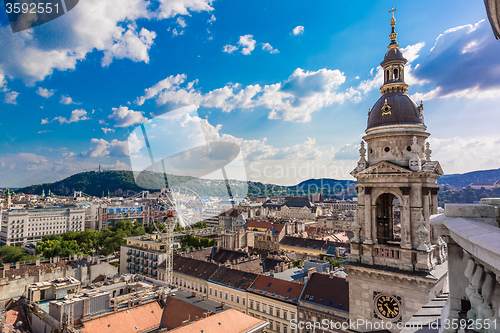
point(133, 320)
point(230, 321)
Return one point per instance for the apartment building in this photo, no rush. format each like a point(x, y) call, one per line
point(142, 254)
point(275, 301)
point(30, 225)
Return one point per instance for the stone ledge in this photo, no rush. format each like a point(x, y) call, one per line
point(479, 239)
point(478, 212)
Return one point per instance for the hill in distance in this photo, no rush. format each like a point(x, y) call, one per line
point(122, 183)
point(462, 180)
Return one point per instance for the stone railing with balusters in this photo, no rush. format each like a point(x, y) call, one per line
point(472, 234)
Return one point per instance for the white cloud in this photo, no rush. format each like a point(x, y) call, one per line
point(94, 25)
point(248, 44)
point(171, 8)
point(123, 117)
point(132, 45)
point(66, 100)
point(76, 116)
point(11, 97)
point(229, 48)
point(107, 130)
point(180, 21)
point(268, 47)
point(458, 155)
point(169, 91)
point(212, 19)
point(103, 148)
point(46, 93)
point(298, 30)
point(303, 93)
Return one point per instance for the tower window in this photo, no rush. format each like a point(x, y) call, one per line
point(396, 74)
point(387, 149)
point(408, 148)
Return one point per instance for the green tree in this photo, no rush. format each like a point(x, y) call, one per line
point(10, 254)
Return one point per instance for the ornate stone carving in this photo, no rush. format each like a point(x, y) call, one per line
point(423, 235)
point(356, 228)
point(362, 160)
point(428, 151)
point(415, 161)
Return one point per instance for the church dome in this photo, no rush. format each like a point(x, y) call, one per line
point(393, 54)
point(394, 109)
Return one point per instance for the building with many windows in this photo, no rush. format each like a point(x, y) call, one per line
point(275, 301)
point(142, 254)
point(30, 225)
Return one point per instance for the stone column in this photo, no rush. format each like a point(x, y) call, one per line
point(415, 212)
point(405, 218)
point(434, 198)
point(368, 216)
point(426, 210)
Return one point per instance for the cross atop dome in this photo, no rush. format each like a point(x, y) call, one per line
point(393, 34)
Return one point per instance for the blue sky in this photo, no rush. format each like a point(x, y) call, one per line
point(289, 82)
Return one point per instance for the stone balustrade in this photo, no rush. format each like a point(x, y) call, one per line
point(472, 234)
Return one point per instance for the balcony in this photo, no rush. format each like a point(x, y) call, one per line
point(472, 235)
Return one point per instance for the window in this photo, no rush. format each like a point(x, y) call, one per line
point(251, 304)
point(226, 296)
point(220, 294)
point(243, 301)
point(284, 315)
point(277, 313)
point(210, 291)
point(258, 306)
point(237, 299)
point(278, 327)
point(271, 310)
point(263, 308)
point(232, 298)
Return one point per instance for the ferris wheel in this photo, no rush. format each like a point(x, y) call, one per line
point(187, 204)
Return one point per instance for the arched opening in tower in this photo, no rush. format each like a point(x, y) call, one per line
point(388, 219)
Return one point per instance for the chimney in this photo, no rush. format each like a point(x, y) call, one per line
point(18, 265)
point(332, 274)
point(310, 271)
point(37, 262)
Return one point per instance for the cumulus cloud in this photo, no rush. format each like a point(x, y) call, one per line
point(348, 152)
point(103, 148)
point(93, 26)
point(464, 62)
point(298, 30)
point(268, 47)
point(76, 116)
point(66, 100)
point(294, 99)
point(124, 117)
point(107, 130)
point(229, 48)
point(11, 97)
point(46, 93)
point(248, 44)
point(457, 154)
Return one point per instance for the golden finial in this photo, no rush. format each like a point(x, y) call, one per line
point(393, 34)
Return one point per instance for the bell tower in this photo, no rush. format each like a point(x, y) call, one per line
point(396, 261)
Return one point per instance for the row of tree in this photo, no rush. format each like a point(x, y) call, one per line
point(89, 241)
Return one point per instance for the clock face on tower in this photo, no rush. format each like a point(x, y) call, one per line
point(387, 306)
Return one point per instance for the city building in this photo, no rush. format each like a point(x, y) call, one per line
point(143, 254)
point(397, 262)
point(190, 274)
point(226, 322)
point(30, 225)
point(274, 301)
point(15, 278)
point(229, 286)
point(325, 299)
